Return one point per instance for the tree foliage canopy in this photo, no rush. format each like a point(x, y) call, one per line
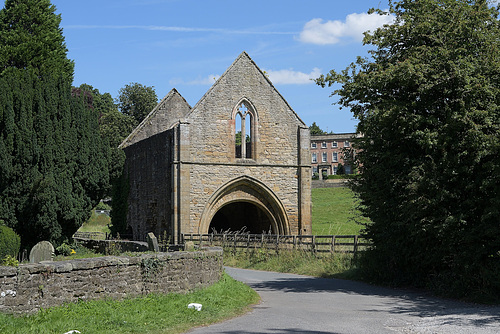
point(137, 101)
point(314, 129)
point(428, 104)
point(53, 164)
point(31, 38)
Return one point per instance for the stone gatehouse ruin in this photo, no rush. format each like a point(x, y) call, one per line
point(189, 170)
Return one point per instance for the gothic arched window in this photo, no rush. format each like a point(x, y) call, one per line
point(244, 130)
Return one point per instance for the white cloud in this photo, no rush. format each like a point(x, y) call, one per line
point(180, 29)
point(292, 77)
point(208, 80)
point(331, 32)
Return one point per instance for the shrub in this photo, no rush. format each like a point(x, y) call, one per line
point(10, 261)
point(10, 242)
point(65, 250)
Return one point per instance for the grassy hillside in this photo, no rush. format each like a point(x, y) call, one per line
point(96, 223)
point(334, 212)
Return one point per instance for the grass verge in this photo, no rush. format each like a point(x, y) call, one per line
point(338, 265)
point(96, 223)
point(152, 314)
point(334, 212)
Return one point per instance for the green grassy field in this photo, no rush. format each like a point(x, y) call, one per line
point(334, 212)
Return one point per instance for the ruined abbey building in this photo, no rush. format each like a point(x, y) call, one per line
point(239, 158)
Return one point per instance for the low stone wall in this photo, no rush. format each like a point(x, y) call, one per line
point(103, 246)
point(29, 287)
point(329, 183)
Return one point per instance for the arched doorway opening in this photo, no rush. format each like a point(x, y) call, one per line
point(244, 201)
point(242, 216)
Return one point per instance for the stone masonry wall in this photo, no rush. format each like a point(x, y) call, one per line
point(29, 287)
point(150, 193)
point(277, 161)
point(206, 179)
point(212, 126)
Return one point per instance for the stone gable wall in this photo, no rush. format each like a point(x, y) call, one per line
point(29, 287)
point(150, 193)
point(212, 126)
point(169, 111)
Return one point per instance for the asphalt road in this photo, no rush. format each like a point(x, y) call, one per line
point(303, 304)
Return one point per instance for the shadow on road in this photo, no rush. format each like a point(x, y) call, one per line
point(277, 331)
point(396, 301)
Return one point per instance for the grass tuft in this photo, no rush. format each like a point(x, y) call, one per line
point(339, 265)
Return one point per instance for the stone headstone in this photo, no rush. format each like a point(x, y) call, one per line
point(42, 251)
point(152, 242)
point(189, 246)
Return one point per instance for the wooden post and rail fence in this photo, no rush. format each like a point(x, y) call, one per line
point(313, 243)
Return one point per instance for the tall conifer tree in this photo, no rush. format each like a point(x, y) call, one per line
point(53, 165)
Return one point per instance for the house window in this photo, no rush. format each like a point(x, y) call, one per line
point(323, 144)
point(335, 170)
point(243, 131)
point(314, 158)
point(334, 144)
point(324, 157)
point(315, 169)
point(335, 157)
point(347, 144)
point(313, 145)
point(347, 169)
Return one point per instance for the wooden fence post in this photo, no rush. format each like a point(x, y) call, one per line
point(355, 244)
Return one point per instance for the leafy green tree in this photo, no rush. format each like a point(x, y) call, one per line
point(53, 164)
point(427, 102)
point(315, 129)
point(137, 101)
point(31, 38)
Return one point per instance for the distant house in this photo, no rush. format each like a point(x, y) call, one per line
point(239, 159)
point(328, 152)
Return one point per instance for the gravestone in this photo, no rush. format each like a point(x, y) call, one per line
point(152, 242)
point(42, 251)
point(189, 246)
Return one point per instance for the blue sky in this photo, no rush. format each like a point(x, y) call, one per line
point(186, 44)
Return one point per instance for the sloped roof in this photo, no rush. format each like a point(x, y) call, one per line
point(168, 112)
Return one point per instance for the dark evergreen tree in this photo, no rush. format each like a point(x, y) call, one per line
point(53, 164)
point(114, 127)
point(31, 38)
point(428, 103)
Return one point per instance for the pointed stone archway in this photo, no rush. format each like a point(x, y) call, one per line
point(247, 202)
